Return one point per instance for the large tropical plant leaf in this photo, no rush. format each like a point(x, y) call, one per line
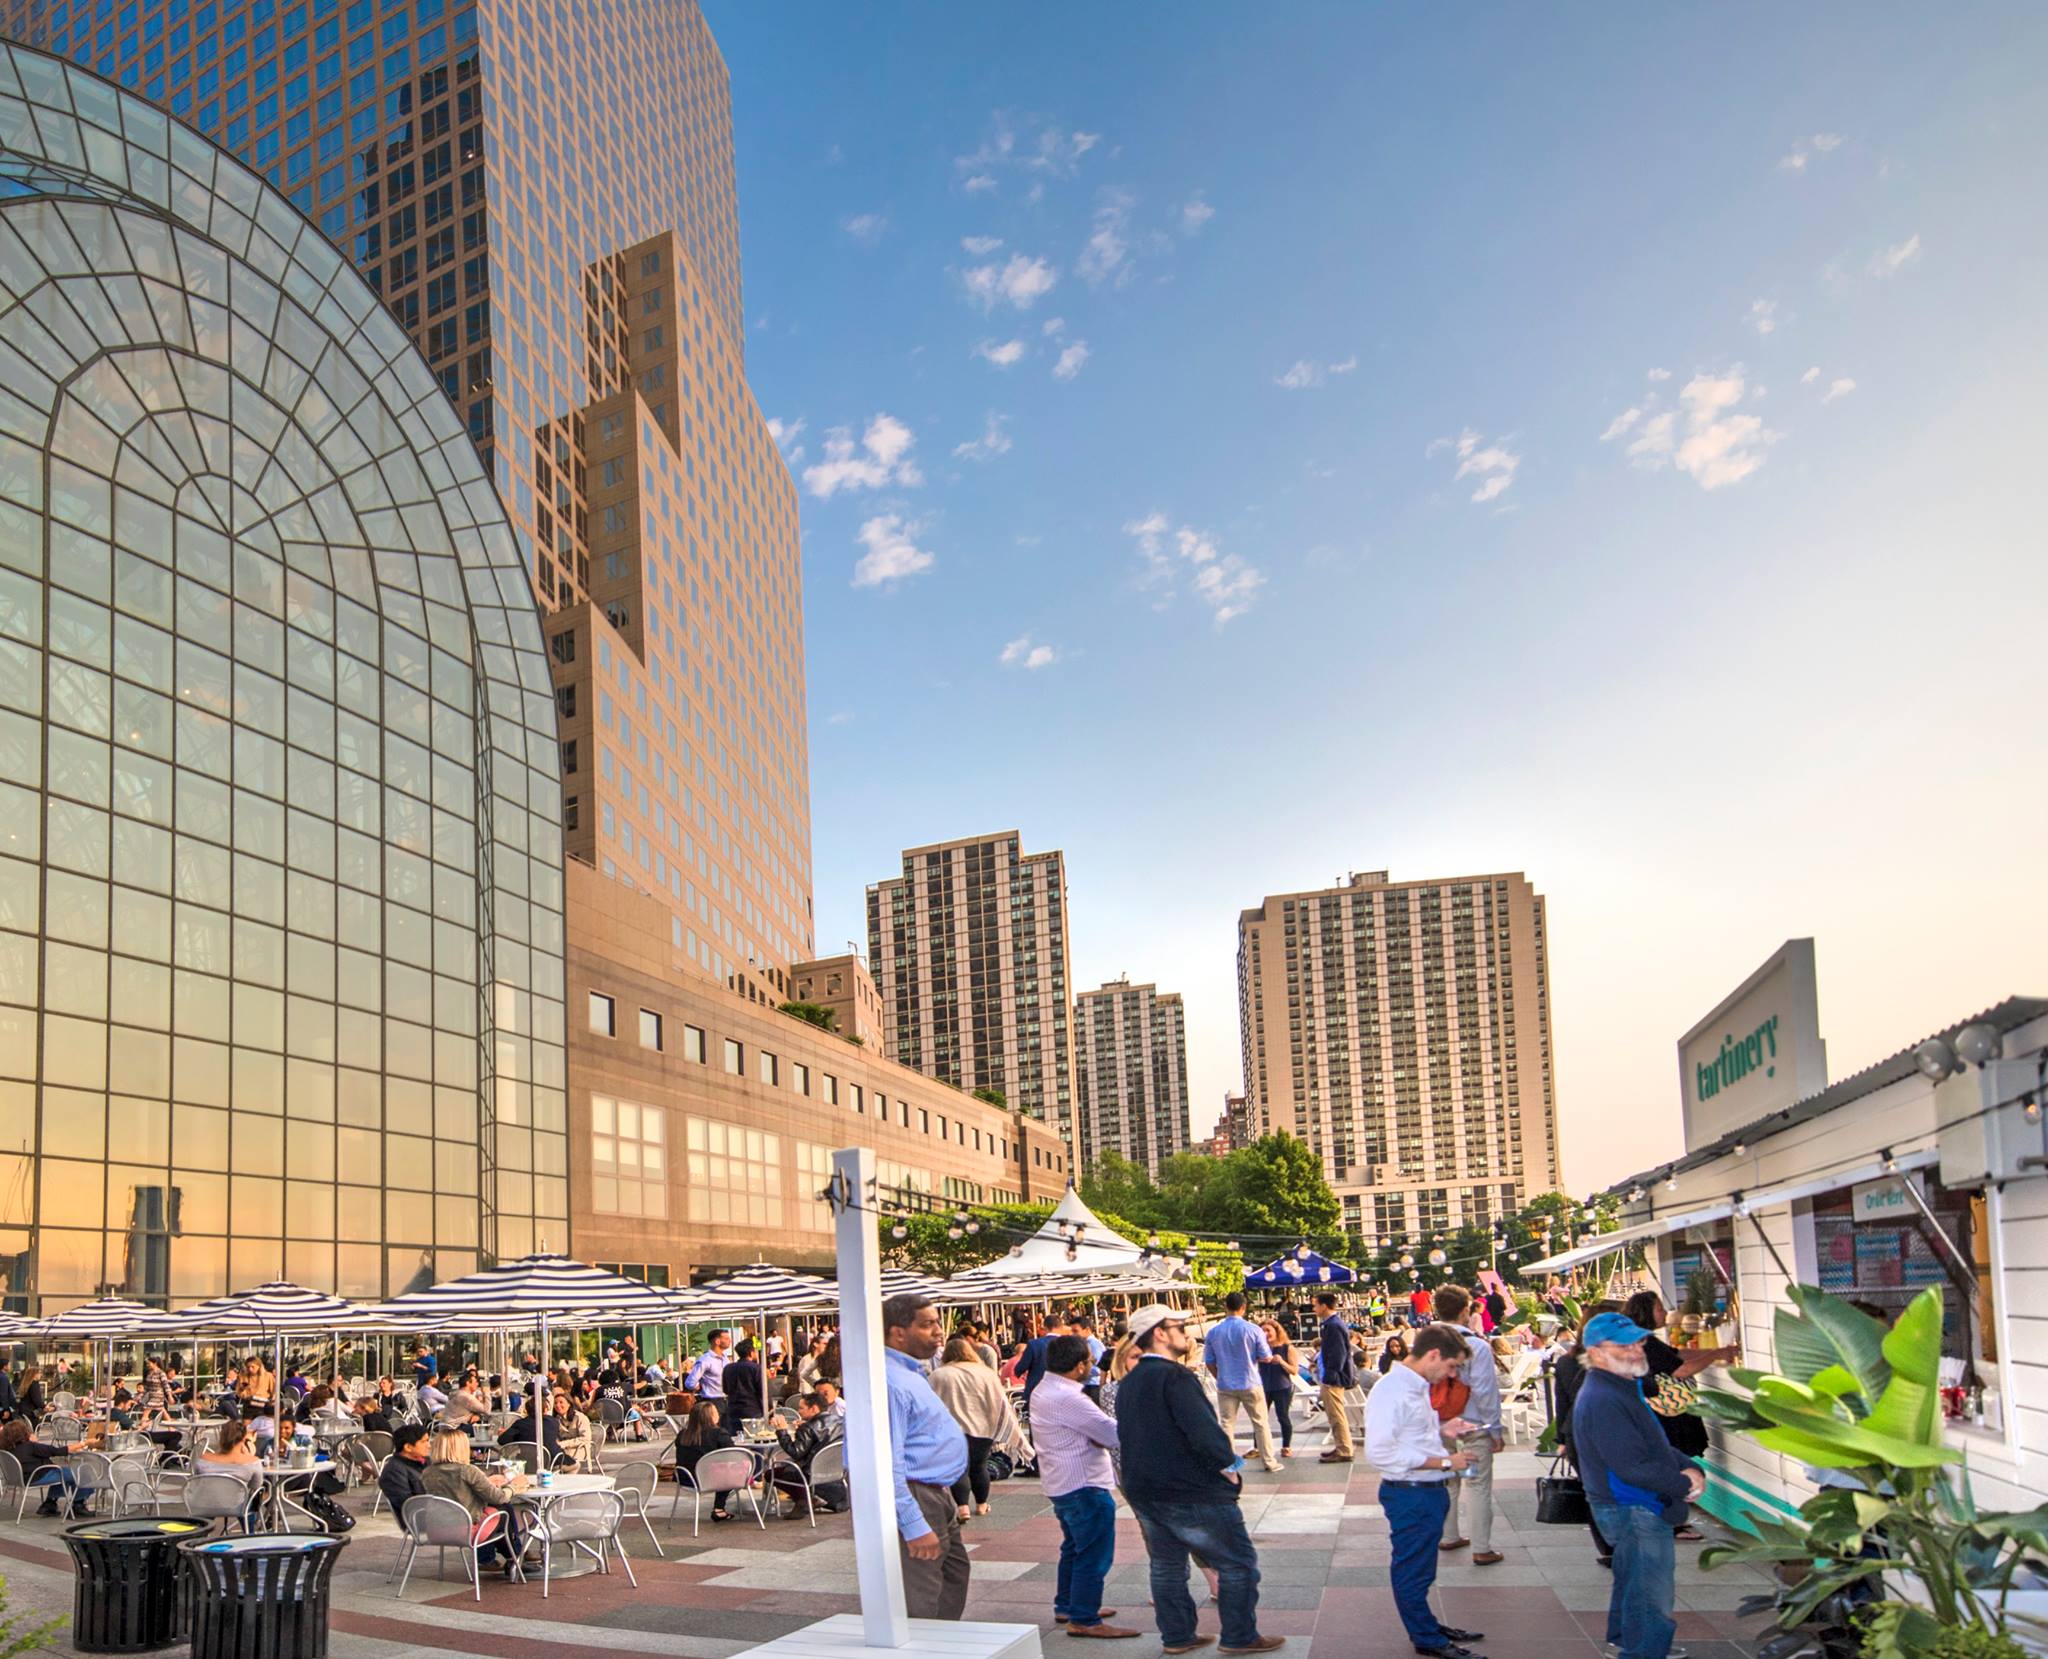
point(1908, 1408)
point(1827, 1332)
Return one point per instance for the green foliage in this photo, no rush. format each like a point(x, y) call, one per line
point(993, 1097)
point(1702, 1292)
point(813, 1013)
point(1858, 1397)
point(20, 1634)
point(926, 1248)
point(1265, 1194)
point(1216, 1269)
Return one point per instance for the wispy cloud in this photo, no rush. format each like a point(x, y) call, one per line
point(1344, 365)
point(1804, 149)
point(975, 183)
point(1305, 372)
point(993, 441)
point(1622, 423)
point(1023, 652)
point(1195, 213)
point(784, 434)
point(1030, 147)
point(1705, 437)
point(1811, 375)
point(1763, 316)
point(1021, 282)
point(865, 228)
point(1106, 255)
point(839, 717)
point(1890, 261)
point(1072, 356)
point(1838, 388)
point(892, 552)
point(981, 246)
point(1221, 581)
point(1491, 466)
point(1658, 374)
point(881, 458)
point(1002, 353)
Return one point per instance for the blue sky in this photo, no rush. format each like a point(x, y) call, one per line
point(1604, 444)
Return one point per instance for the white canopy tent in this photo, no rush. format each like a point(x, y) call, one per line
point(1074, 1240)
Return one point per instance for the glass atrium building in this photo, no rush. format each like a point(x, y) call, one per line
point(280, 818)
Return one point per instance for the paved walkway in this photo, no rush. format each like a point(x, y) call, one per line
point(1322, 1547)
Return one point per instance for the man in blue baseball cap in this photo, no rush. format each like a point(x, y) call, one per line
point(1637, 1484)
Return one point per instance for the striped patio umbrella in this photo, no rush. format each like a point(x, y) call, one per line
point(764, 1288)
point(109, 1319)
point(279, 1306)
point(900, 1281)
point(533, 1292)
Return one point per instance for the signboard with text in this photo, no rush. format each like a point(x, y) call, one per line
point(1760, 1050)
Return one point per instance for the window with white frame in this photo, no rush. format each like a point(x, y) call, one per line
point(650, 1029)
point(735, 1174)
point(628, 1158)
point(813, 1172)
point(604, 1015)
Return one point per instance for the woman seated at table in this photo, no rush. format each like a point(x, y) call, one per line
point(574, 1436)
point(37, 1457)
point(700, 1434)
point(371, 1415)
point(234, 1453)
point(257, 1384)
point(320, 1402)
point(450, 1474)
point(261, 1424)
point(814, 1430)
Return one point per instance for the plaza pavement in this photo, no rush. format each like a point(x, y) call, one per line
point(1323, 1552)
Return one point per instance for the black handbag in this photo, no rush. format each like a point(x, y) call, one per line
point(1561, 1498)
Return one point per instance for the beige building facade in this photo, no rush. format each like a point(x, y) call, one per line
point(843, 986)
point(1130, 1074)
point(1402, 1030)
point(702, 1121)
point(968, 947)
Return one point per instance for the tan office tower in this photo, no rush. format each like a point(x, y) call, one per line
point(968, 947)
point(1130, 1074)
point(1402, 1029)
point(543, 196)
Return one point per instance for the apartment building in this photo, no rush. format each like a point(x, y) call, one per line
point(1402, 1030)
point(1130, 1074)
point(968, 947)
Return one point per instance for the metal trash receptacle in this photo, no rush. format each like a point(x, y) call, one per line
point(265, 1596)
point(129, 1595)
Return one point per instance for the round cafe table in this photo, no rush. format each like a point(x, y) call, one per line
point(571, 1563)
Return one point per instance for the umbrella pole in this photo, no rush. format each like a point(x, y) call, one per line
point(540, 1373)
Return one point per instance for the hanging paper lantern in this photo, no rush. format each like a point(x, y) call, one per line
point(1323, 1273)
point(1437, 1258)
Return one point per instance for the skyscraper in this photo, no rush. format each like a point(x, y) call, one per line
point(1402, 1029)
point(1130, 1074)
point(968, 947)
point(543, 197)
point(281, 942)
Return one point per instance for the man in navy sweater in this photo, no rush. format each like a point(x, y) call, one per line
point(1339, 1376)
point(1637, 1484)
point(1180, 1475)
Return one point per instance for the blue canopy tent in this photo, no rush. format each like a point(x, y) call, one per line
point(1300, 1266)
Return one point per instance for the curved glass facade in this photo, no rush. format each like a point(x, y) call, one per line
point(280, 816)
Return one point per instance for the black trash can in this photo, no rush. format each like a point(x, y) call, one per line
point(261, 1597)
point(129, 1596)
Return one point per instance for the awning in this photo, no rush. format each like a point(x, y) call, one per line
point(1622, 1238)
point(1925, 1158)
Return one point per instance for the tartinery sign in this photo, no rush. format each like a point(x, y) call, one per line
point(1760, 1050)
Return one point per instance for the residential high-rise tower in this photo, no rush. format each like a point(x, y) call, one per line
point(968, 947)
point(1130, 1074)
point(1402, 1029)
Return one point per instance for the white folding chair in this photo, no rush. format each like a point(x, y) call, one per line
point(636, 1483)
point(444, 1525)
point(588, 1521)
point(218, 1497)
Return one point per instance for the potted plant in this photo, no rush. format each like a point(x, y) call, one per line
point(1894, 1546)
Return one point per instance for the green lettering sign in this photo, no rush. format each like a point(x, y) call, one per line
point(1739, 1057)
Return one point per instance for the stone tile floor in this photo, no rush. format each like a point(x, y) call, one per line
point(1323, 1559)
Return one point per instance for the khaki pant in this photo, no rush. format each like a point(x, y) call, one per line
point(1473, 1495)
point(936, 1589)
point(1337, 1409)
point(1254, 1400)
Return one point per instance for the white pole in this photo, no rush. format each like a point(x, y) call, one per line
point(870, 1461)
point(540, 1376)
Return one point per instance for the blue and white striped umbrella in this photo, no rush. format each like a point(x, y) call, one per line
point(764, 1288)
point(523, 1293)
point(110, 1319)
point(278, 1306)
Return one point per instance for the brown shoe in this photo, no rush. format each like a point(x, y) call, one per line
point(1265, 1644)
point(1454, 1544)
point(1487, 1558)
point(1335, 1457)
point(1108, 1632)
point(1100, 1613)
point(1189, 1645)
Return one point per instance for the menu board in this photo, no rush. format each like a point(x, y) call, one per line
point(1880, 1262)
point(1835, 1239)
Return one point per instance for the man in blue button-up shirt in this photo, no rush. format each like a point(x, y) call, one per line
point(930, 1453)
point(1232, 1351)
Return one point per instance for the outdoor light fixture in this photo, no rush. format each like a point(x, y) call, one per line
point(1153, 1241)
point(1016, 1249)
point(1740, 1148)
point(1234, 1247)
point(1301, 1251)
point(1635, 1195)
point(899, 1231)
point(956, 1231)
point(1978, 1044)
point(1407, 1260)
point(1671, 1180)
point(1323, 1273)
point(2030, 1108)
point(1935, 1059)
point(1891, 1164)
point(1437, 1258)
point(974, 1226)
point(1073, 1254)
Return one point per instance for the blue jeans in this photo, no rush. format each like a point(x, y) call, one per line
point(1215, 1532)
point(1415, 1515)
point(1087, 1547)
point(1645, 1566)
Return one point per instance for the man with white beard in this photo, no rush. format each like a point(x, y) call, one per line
point(1637, 1484)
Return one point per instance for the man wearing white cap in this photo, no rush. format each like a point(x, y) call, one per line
point(1181, 1476)
point(1637, 1483)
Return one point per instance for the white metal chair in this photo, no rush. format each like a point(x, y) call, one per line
point(92, 1478)
point(377, 1502)
point(60, 1428)
point(730, 1469)
point(130, 1473)
point(636, 1484)
point(13, 1480)
point(443, 1524)
point(587, 1521)
point(217, 1497)
point(63, 1401)
point(611, 1417)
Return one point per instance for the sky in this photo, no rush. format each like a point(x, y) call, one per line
point(1240, 447)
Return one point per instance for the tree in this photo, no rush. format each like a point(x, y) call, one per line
point(1275, 1188)
point(825, 1019)
point(1187, 1185)
point(1114, 1182)
point(994, 1097)
point(1216, 1270)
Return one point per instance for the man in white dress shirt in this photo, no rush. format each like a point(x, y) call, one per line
point(1404, 1441)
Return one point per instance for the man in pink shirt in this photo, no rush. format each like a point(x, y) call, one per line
point(1073, 1436)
